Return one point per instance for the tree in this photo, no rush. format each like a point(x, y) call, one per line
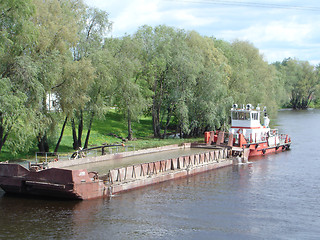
point(101, 89)
point(129, 83)
point(210, 104)
point(19, 88)
point(93, 27)
point(165, 61)
point(302, 81)
point(77, 77)
point(252, 79)
point(56, 23)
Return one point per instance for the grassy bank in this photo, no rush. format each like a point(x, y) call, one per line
point(103, 131)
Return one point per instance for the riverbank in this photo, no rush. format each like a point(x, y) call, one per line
point(104, 131)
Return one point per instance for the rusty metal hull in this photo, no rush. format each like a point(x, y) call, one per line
point(79, 184)
point(53, 182)
point(120, 187)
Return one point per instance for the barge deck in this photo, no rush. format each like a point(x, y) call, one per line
point(104, 176)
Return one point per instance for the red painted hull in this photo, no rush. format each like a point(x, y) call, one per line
point(256, 148)
point(263, 149)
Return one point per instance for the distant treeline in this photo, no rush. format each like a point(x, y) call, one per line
point(58, 66)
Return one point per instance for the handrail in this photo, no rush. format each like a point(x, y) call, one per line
point(52, 157)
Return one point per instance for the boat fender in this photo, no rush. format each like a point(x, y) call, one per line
point(257, 145)
point(264, 151)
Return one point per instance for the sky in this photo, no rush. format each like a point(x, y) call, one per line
point(278, 28)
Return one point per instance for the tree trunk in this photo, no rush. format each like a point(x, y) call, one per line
point(156, 105)
point(3, 139)
point(43, 143)
point(61, 134)
point(1, 132)
point(88, 133)
point(156, 121)
point(167, 123)
point(129, 127)
point(3, 135)
point(74, 135)
point(80, 129)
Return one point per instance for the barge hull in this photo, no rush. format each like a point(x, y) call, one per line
point(53, 182)
point(172, 175)
point(79, 184)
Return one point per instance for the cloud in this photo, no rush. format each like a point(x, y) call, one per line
point(275, 31)
point(128, 15)
point(278, 33)
point(143, 12)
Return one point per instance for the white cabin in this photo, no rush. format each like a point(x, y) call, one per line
point(246, 120)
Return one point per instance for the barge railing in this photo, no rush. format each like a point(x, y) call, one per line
point(81, 153)
point(143, 170)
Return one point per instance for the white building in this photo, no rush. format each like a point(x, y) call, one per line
point(52, 102)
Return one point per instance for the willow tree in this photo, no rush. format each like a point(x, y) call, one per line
point(93, 27)
point(56, 23)
point(182, 67)
point(302, 82)
point(252, 79)
point(19, 87)
point(129, 91)
point(155, 55)
point(210, 103)
point(167, 66)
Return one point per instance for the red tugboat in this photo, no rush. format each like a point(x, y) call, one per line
point(247, 132)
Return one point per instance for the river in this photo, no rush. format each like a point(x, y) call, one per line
point(274, 197)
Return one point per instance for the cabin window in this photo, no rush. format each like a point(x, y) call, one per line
point(254, 116)
point(240, 116)
point(234, 115)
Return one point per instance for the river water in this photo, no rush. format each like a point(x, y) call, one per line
point(274, 197)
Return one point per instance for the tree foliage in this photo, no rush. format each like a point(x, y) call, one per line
point(302, 82)
point(184, 81)
point(19, 86)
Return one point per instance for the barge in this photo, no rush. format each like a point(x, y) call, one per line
point(247, 132)
point(78, 178)
point(66, 179)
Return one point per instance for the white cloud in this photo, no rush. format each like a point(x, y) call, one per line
point(273, 32)
point(187, 18)
point(278, 33)
point(135, 14)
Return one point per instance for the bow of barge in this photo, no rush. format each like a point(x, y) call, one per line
point(52, 182)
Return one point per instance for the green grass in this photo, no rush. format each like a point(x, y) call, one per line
point(100, 134)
